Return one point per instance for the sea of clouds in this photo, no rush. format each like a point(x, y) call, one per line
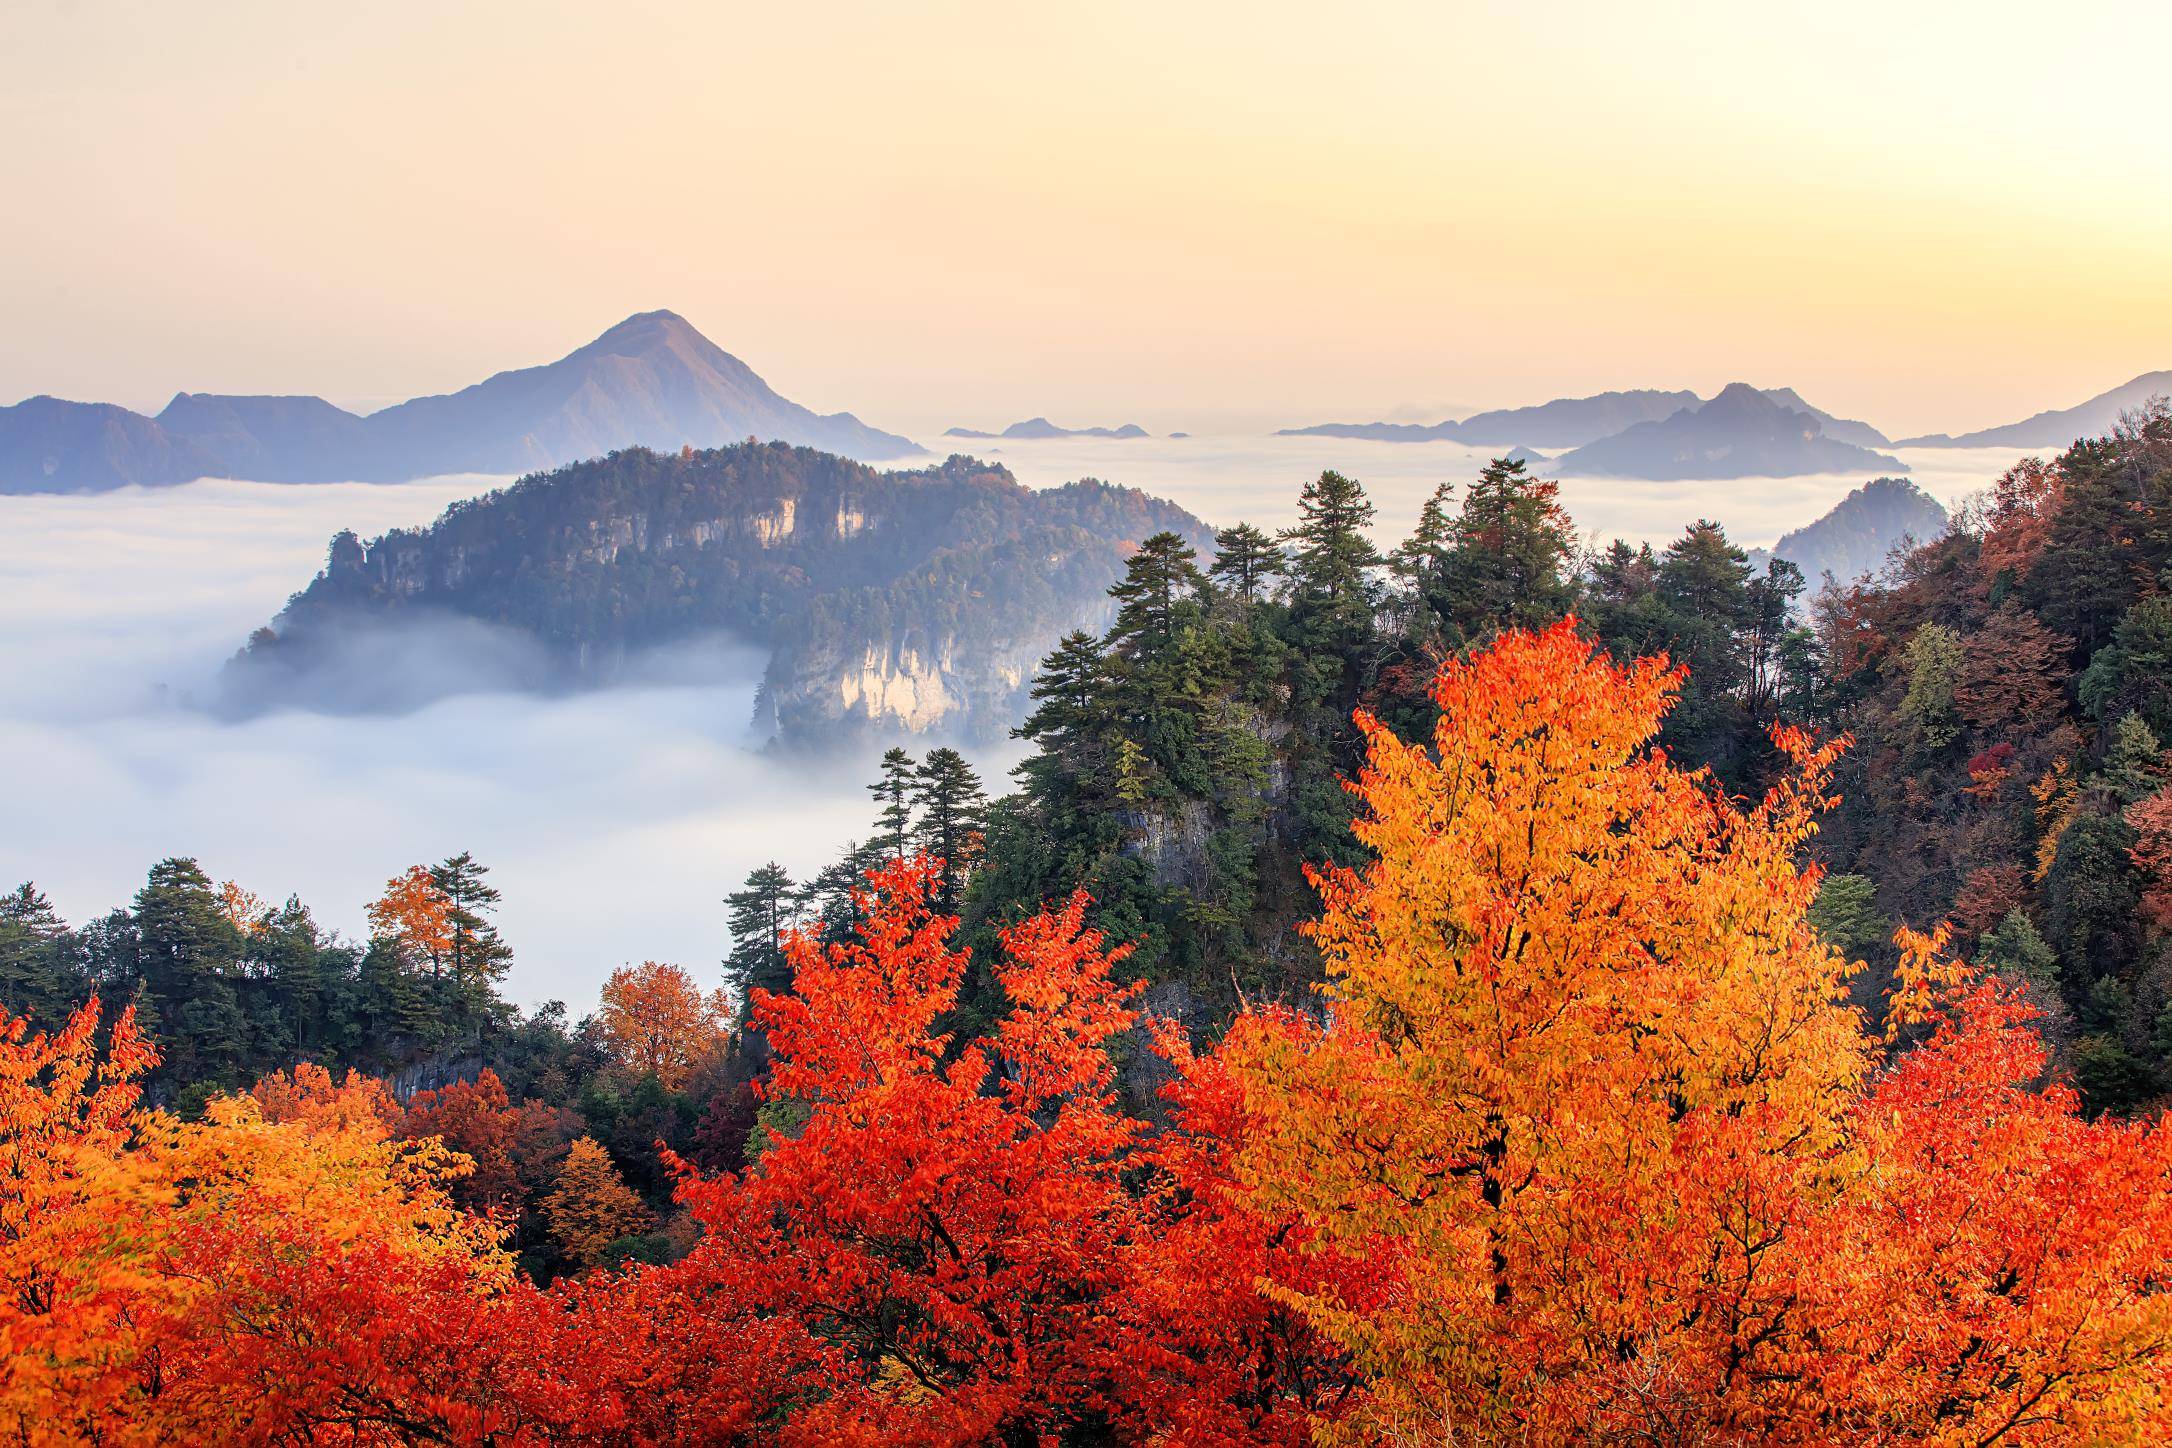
point(614, 821)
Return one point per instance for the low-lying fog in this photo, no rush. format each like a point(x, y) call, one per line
point(615, 821)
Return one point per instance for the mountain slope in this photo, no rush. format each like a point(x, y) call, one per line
point(1041, 427)
point(1572, 421)
point(48, 445)
point(911, 600)
point(1840, 429)
point(2094, 418)
point(1563, 423)
point(1741, 433)
point(650, 381)
point(288, 439)
point(1857, 538)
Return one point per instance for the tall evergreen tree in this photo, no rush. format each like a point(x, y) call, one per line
point(478, 956)
point(1506, 563)
point(1159, 581)
point(1246, 562)
point(37, 978)
point(759, 915)
point(894, 793)
point(1331, 561)
point(951, 806)
point(1071, 709)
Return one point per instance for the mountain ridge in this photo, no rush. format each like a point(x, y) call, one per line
point(1742, 432)
point(918, 600)
point(2059, 426)
point(1574, 422)
point(1857, 536)
point(651, 380)
point(1041, 427)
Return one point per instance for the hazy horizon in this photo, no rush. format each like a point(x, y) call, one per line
point(1217, 217)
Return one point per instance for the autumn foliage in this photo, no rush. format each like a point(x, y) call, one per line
point(257, 1277)
point(1589, 1089)
point(655, 1018)
point(1583, 1141)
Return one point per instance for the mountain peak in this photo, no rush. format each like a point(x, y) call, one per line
point(1740, 397)
point(649, 381)
point(648, 332)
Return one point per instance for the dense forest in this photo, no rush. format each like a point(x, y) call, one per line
point(902, 600)
point(1487, 991)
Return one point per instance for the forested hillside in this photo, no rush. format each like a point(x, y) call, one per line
point(907, 600)
point(1488, 991)
point(2010, 698)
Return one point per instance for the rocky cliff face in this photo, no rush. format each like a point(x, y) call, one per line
point(917, 601)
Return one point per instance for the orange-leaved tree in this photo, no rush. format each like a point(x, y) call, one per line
point(414, 912)
point(948, 1250)
point(478, 1120)
point(654, 1018)
point(591, 1206)
point(245, 1279)
point(1588, 1094)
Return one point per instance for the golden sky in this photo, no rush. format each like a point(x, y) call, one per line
point(1934, 217)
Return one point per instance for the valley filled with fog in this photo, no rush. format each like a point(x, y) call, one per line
point(614, 821)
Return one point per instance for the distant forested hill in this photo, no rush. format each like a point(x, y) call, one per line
point(915, 600)
point(1858, 538)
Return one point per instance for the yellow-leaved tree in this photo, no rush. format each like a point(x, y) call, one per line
point(591, 1206)
point(1588, 1091)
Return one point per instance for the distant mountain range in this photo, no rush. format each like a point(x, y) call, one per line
point(887, 602)
point(1643, 433)
point(1041, 427)
point(2093, 418)
point(651, 381)
point(1565, 422)
point(1857, 538)
point(1742, 433)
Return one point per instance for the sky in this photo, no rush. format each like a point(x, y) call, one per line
point(1202, 215)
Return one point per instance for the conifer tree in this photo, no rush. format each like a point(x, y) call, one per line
point(1070, 704)
point(894, 793)
point(1246, 563)
point(1158, 581)
point(1505, 565)
point(759, 915)
point(1330, 562)
point(35, 975)
point(476, 956)
point(952, 807)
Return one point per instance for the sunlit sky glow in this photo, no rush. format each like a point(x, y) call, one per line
point(1932, 217)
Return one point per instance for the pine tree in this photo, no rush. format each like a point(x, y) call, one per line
point(1507, 556)
point(35, 975)
point(1330, 563)
point(760, 915)
point(1246, 563)
point(1334, 641)
point(951, 805)
point(2017, 948)
point(1069, 694)
point(894, 792)
point(477, 957)
point(826, 903)
point(1159, 580)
